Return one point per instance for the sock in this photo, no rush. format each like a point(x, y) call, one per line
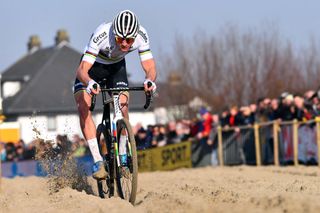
point(94, 149)
point(122, 145)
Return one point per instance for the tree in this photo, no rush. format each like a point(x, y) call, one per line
point(236, 67)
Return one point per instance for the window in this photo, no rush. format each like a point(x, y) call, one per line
point(52, 123)
point(10, 88)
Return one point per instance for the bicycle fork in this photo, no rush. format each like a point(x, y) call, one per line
point(118, 116)
point(110, 146)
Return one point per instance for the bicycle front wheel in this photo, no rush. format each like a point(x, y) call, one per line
point(127, 176)
point(106, 187)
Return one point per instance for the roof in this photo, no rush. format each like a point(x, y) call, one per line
point(33, 61)
point(49, 89)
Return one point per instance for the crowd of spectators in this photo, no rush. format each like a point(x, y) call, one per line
point(285, 108)
point(16, 151)
point(21, 151)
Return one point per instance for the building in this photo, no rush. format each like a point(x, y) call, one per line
point(37, 92)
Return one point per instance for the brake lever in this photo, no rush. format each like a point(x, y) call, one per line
point(149, 96)
point(93, 98)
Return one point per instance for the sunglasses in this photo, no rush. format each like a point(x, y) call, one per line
point(120, 40)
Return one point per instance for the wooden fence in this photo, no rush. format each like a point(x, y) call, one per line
point(276, 128)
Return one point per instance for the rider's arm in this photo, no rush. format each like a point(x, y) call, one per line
point(149, 67)
point(97, 40)
point(146, 58)
point(82, 72)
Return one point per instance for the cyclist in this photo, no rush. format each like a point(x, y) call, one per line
point(104, 58)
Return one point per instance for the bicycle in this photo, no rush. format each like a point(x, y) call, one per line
point(126, 178)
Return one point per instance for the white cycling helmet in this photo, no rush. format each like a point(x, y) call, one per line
point(126, 24)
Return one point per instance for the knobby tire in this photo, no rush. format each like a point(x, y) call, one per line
point(106, 187)
point(133, 163)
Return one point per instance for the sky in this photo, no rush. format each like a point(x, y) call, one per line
point(164, 21)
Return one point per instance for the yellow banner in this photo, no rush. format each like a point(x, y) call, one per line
point(9, 132)
point(165, 158)
point(9, 135)
point(144, 160)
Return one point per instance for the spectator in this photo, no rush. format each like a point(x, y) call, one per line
point(21, 143)
point(64, 145)
point(315, 103)
point(246, 118)
point(206, 122)
point(155, 136)
point(299, 108)
point(82, 149)
point(253, 109)
point(224, 117)
point(172, 134)
point(143, 141)
point(274, 110)
point(181, 132)
point(309, 110)
point(10, 151)
point(287, 107)
point(186, 129)
point(262, 110)
point(195, 127)
point(30, 151)
point(2, 151)
point(203, 135)
point(159, 137)
point(19, 149)
point(19, 152)
point(234, 118)
point(150, 132)
point(162, 140)
point(213, 140)
point(309, 94)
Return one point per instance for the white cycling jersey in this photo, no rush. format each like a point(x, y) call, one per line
point(103, 48)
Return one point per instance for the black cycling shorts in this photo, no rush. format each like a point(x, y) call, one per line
point(116, 75)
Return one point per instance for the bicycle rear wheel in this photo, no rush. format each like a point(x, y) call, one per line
point(127, 177)
point(106, 187)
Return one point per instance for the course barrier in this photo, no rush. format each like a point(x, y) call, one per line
point(165, 158)
point(278, 143)
point(34, 168)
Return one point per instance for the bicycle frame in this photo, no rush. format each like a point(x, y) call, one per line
point(111, 132)
point(117, 116)
point(111, 125)
point(112, 143)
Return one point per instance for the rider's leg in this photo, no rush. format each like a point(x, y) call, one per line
point(83, 101)
point(124, 100)
point(119, 79)
point(88, 128)
point(124, 104)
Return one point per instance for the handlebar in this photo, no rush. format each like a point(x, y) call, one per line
point(149, 94)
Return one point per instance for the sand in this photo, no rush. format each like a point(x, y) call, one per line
point(228, 189)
